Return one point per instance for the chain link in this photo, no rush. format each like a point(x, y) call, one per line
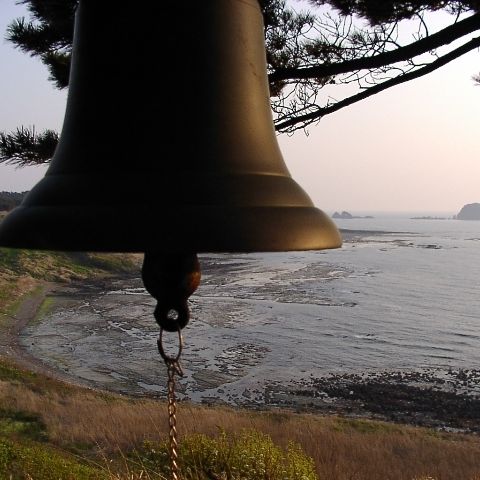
point(173, 368)
point(172, 422)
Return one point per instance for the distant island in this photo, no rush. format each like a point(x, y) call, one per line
point(347, 215)
point(471, 211)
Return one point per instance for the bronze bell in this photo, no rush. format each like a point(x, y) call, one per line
point(168, 143)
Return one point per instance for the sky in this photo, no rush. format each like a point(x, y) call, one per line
point(412, 148)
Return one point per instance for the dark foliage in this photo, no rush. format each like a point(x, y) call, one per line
point(25, 147)
point(378, 12)
point(10, 200)
point(49, 35)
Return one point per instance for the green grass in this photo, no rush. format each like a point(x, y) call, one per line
point(20, 460)
point(22, 424)
point(10, 373)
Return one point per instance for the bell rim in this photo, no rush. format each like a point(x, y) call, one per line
point(193, 229)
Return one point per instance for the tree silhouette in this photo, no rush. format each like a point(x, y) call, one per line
point(311, 55)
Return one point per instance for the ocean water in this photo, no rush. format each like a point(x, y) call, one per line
point(416, 294)
point(401, 294)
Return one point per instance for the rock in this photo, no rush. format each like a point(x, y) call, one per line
point(344, 214)
point(470, 211)
point(347, 215)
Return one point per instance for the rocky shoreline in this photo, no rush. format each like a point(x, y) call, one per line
point(89, 318)
point(445, 400)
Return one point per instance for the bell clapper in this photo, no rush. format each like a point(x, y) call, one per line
point(171, 279)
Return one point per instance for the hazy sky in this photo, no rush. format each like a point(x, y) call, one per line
point(412, 148)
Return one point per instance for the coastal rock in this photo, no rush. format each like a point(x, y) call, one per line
point(347, 215)
point(470, 211)
point(344, 214)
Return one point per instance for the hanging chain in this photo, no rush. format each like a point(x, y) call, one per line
point(173, 368)
point(171, 279)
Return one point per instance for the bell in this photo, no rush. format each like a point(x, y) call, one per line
point(168, 142)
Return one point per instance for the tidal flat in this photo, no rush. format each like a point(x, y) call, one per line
point(269, 331)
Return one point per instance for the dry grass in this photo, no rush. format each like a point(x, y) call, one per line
point(342, 449)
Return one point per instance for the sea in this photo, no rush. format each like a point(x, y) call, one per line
point(402, 294)
point(414, 294)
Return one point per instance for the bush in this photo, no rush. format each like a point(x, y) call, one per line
point(251, 455)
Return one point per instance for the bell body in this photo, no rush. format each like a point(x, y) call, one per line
point(168, 141)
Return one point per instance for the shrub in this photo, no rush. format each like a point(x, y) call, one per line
point(250, 455)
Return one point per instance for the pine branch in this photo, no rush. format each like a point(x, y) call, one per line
point(302, 120)
point(24, 147)
point(386, 11)
point(436, 40)
point(47, 35)
point(58, 65)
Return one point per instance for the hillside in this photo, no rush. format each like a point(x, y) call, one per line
point(25, 271)
point(9, 200)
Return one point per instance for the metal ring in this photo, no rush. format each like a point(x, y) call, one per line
point(167, 358)
point(162, 311)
